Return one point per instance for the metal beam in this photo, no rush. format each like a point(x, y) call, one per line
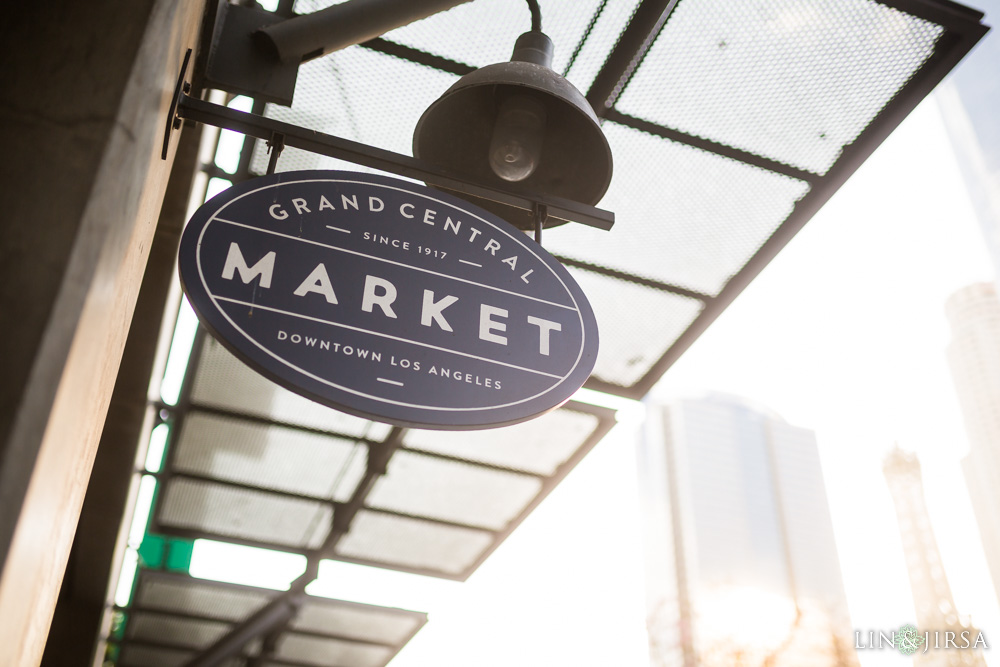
point(403, 165)
point(709, 146)
point(624, 59)
point(278, 611)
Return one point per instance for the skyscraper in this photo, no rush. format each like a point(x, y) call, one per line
point(935, 606)
point(974, 358)
point(968, 99)
point(742, 567)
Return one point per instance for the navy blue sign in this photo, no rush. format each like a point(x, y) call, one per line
point(387, 300)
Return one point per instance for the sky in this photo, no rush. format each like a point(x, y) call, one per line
point(843, 333)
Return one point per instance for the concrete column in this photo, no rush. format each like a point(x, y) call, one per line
point(83, 103)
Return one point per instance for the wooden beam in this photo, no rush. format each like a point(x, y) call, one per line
point(54, 433)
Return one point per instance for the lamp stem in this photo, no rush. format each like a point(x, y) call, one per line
point(533, 47)
point(276, 144)
point(541, 215)
point(536, 16)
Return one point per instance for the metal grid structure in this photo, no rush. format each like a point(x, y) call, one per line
point(250, 463)
point(173, 617)
point(263, 467)
point(731, 125)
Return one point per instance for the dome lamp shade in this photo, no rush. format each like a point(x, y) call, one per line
point(521, 127)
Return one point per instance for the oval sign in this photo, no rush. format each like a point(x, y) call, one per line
point(387, 300)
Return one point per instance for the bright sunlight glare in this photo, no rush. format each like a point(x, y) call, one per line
point(180, 351)
point(215, 186)
point(157, 447)
point(628, 411)
point(227, 154)
point(387, 588)
point(250, 566)
point(130, 563)
point(747, 616)
point(143, 505)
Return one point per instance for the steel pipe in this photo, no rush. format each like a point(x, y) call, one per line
point(313, 35)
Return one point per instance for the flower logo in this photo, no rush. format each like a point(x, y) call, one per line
point(908, 640)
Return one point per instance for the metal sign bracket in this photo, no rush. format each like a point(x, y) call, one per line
point(557, 209)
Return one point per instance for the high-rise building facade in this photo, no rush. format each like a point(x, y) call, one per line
point(969, 99)
point(932, 598)
point(742, 567)
point(974, 358)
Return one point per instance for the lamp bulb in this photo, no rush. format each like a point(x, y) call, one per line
point(518, 133)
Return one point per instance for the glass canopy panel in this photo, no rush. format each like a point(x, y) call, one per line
point(253, 516)
point(361, 622)
point(792, 80)
point(637, 323)
point(327, 652)
point(453, 491)
point(185, 632)
point(185, 596)
point(223, 382)
point(686, 217)
point(137, 655)
point(416, 545)
point(269, 457)
point(538, 446)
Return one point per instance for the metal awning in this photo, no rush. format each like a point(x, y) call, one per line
point(731, 124)
point(173, 617)
point(251, 463)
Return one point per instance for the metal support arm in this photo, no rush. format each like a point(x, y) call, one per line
point(313, 35)
point(279, 611)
